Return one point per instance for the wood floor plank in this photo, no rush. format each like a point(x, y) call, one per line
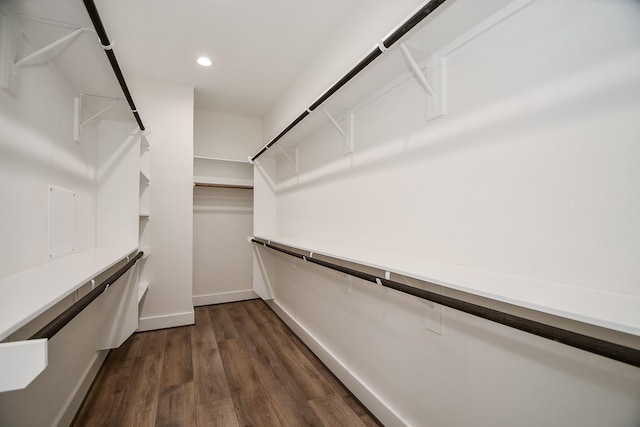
point(218, 414)
point(143, 392)
point(208, 372)
point(250, 397)
point(222, 324)
point(289, 400)
point(369, 421)
point(127, 351)
point(309, 380)
point(151, 342)
point(177, 406)
point(177, 367)
point(334, 411)
point(104, 408)
point(258, 374)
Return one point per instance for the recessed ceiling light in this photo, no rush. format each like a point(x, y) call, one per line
point(204, 61)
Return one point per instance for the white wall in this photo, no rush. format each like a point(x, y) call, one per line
point(37, 149)
point(167, 112)
point(360, 32)
point(227, 136)
point(531, 173)
point(223, 218)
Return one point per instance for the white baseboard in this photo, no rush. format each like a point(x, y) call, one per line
point(368, 398)
point(167, 321)
point(65, 417)
point(223, 297)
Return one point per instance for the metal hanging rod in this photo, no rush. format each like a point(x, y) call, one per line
point(597, 346)
point(385, 44)
point(205, 184)
point(53, 327)
point(108, 50)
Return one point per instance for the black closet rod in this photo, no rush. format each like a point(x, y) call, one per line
point(106, 44)
point(53, 327)
point(597, 346)
point(407, 26)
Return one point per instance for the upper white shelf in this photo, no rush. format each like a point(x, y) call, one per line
point(609, 310)
point(222, 172)
point(220, 159)
point(28, 294)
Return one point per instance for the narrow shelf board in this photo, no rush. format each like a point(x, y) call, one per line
point(207, 184)
point(142, 289)
point(592, 306)
point(202, 180)
point(28, 294)
point(144, 214)
point(220, 159)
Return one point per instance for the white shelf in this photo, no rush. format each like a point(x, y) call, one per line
point(144, 214)
point(239, 182)
point(222, 172)
point(220, 159)
point(610, 310)
point(28, 294)
point(142, 289)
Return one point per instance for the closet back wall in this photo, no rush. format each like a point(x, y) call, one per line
point(223, 217)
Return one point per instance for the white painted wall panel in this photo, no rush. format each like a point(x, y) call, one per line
point(531, 174)
point(167, 111)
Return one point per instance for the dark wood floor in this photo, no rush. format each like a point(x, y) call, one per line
point(239, 365)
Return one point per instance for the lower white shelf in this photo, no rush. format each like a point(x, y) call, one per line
point(28, 294)
point(218, 181)
point(596, 307)
point(143, 287)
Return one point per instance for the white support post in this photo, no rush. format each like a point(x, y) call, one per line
point(432, 83)
point(346, 134)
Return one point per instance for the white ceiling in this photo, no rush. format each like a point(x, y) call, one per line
point(257, 46)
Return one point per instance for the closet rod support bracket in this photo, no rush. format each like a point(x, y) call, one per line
point(346, 131)
point(431, 80)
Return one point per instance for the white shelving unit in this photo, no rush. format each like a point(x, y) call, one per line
point(30, 293)
point(144, 227)
point(225, 173)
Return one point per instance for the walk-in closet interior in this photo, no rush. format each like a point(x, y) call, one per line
point(348, 212)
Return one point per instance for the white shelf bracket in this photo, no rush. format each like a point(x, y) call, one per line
point(432, 82)
point(347, 132)
point(48, 47)
point(11, 38)
point(293, 161)
point(78, 124)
